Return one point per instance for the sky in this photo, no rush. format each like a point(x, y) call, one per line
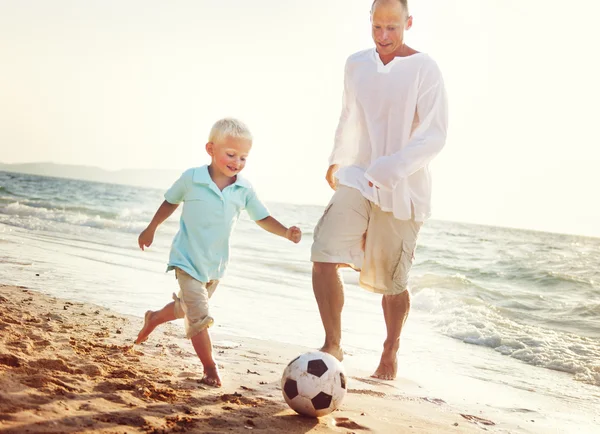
point(137, 84)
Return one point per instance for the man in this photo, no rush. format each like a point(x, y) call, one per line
point(393, 123)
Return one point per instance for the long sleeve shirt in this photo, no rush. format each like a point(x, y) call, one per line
point(393, 123)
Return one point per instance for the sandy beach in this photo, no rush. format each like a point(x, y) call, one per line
point(70, 367)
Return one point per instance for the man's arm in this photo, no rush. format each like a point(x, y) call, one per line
point(427, 140)
point(341, 151)
point(164, 212)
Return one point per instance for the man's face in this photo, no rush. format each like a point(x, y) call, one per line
point(389, 20)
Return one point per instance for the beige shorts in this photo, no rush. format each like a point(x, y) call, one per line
point(355, 232)
point(192, 302)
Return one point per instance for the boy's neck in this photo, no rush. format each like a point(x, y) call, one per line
point(220, 179)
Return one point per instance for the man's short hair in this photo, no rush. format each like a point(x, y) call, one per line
point(402, 2)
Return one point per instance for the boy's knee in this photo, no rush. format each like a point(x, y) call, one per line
point(195, 328)
point(177, 307)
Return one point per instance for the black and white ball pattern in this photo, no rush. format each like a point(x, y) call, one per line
point(314, 384)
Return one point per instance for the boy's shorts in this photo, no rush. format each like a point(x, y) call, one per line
point(192, 302)
point(354, 231)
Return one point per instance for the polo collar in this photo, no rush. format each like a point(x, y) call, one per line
point(201, 176)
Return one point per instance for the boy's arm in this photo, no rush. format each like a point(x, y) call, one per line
point(272, 225)
point(164, 212)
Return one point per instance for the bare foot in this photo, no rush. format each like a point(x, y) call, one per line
point(387, 368)
point(147, 328)
point(335, 351)
point(211, 377)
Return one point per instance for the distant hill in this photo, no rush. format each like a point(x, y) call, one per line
point(137, 177)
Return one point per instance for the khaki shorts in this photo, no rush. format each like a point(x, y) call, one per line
point(355, 232)
point(192, 302)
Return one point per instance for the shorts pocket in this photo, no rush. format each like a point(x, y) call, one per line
point(320, 222)
point(403, 266)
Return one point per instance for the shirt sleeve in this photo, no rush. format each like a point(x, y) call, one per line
point(255, 208)
point(426, 141)
point(343, 146)
point(176, 193)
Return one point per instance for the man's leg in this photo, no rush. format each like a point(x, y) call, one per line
point(389, 254)
point(338, 243)
point(329, 292)
point(153, 319)
point(395, 313)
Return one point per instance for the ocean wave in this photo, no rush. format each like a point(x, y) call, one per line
point(4, 190)
point(523, 275)
point(40, 218)
point(570, 278)
point(479, 323)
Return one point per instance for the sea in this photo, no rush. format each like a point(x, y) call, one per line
point(505, 323)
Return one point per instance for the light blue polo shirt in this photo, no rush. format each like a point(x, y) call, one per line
point(201, 246)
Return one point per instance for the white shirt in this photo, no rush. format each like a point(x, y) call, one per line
point(393, 123)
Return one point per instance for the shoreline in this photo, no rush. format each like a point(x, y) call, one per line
point(71, 367)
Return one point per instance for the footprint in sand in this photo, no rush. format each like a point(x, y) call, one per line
point(51, 365)
point(367, 392)
point(10, 360)
point(477, 420)
point(239, 399)
point(373, 382)
point(344, 422)
point(437, 401)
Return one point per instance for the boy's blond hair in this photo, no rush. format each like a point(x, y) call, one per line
point(229, 127)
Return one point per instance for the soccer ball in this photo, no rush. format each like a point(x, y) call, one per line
point(314, 384)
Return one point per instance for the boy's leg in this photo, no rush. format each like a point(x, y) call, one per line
point(193, 298)
point(203, 346)
point(153, 319)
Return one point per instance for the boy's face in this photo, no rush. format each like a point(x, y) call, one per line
point(229, 154)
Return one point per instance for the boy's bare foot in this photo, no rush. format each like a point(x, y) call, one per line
point(211, 377)
point(334, 350)
point(147, 328)
point(388, 367)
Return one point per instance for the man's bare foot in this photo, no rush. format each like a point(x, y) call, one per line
point(147, 328)
point(387, 369)
point(211, 377)
point(335, 351)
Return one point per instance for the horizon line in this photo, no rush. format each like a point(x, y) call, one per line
point(489, 225)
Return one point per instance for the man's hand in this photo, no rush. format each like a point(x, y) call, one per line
point(294, 234)
point(146, 238)
point(330, 177)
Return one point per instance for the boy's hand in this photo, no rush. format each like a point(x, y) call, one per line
point(294, 234)
point(146, 237)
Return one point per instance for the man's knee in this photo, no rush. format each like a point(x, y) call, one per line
point(324, 268)
point(402, 299)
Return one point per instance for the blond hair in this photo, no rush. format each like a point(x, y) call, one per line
point(229, 127)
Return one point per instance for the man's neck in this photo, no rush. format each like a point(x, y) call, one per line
point(403, 51)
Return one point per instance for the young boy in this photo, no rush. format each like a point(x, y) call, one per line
point(213, 197)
